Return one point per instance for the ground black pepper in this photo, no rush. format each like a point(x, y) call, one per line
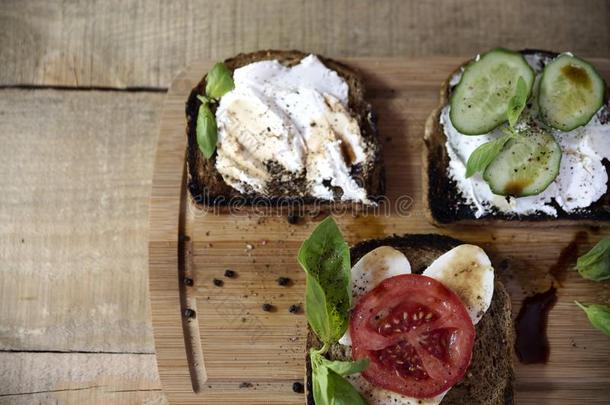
point(189, 313)
point(294, 309)
point(298, 387)
point(268, 307)
point(284, 281)
point(230, 273)
point(218, 283)
point(188, 281)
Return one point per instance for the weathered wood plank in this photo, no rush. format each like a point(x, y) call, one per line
point(131, 43)
point(72, 378)
point(76, 177)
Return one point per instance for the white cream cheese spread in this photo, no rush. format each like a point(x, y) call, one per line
point(288, 131)
point(582, 177)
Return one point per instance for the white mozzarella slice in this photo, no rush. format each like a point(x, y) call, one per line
point(465, 269)
point(372, 269)
point(379, 396)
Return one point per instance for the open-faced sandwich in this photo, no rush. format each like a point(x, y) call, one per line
point(277, 125)
point(417, 319)
point(519, 136)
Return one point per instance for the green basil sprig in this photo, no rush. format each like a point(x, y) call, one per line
point(599, 316)
point(218, 83)
point(207, 133)
point(595, 264)
point(482, 156)
point(517, 103)
point(325, 258)
point(329, 386)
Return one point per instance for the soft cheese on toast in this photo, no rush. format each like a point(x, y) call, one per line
point(566, 182)
point(294, 127)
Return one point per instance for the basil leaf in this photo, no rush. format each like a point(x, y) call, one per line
point(482, 156)
point(595, 264)
point(207, 133)
point(341, 392)
point(344, 368)
point(329, 386)
point(319, 382)
point(315, 307)
point(219, 81)
point(517, 103)
point(325, 258)
point(599, 316)
point(203, 99)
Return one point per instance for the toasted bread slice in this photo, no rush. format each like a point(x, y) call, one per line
point(452, 208)
point(489, 379)
point(206, 184)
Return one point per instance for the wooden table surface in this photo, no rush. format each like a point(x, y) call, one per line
point(81, 87)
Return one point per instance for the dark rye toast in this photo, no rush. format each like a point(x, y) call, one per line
point(452, 208)
point(206, 184)
point(489, 379)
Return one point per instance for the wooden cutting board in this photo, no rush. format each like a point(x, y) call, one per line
point(233, 352)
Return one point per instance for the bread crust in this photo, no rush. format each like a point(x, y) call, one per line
point(206, 185)
point(490, 377)
point(454, 211)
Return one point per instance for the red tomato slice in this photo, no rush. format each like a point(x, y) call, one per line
point(416, 333)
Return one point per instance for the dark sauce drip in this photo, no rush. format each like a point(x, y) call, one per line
point(577, 75)
point(567, 258)
point(532, 345)
point(515, 187)
point(348, 153)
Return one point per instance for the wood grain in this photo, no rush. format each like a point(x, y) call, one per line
point(79, 378)
point(73, 220)
point(243, 344)
point(120, 43)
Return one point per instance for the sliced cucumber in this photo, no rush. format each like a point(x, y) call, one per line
point(571, 92)
point(526, 166)
point(479, 103)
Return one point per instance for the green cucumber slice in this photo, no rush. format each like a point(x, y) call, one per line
point(479, 103)
point(571, 92)
point(526, 166)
